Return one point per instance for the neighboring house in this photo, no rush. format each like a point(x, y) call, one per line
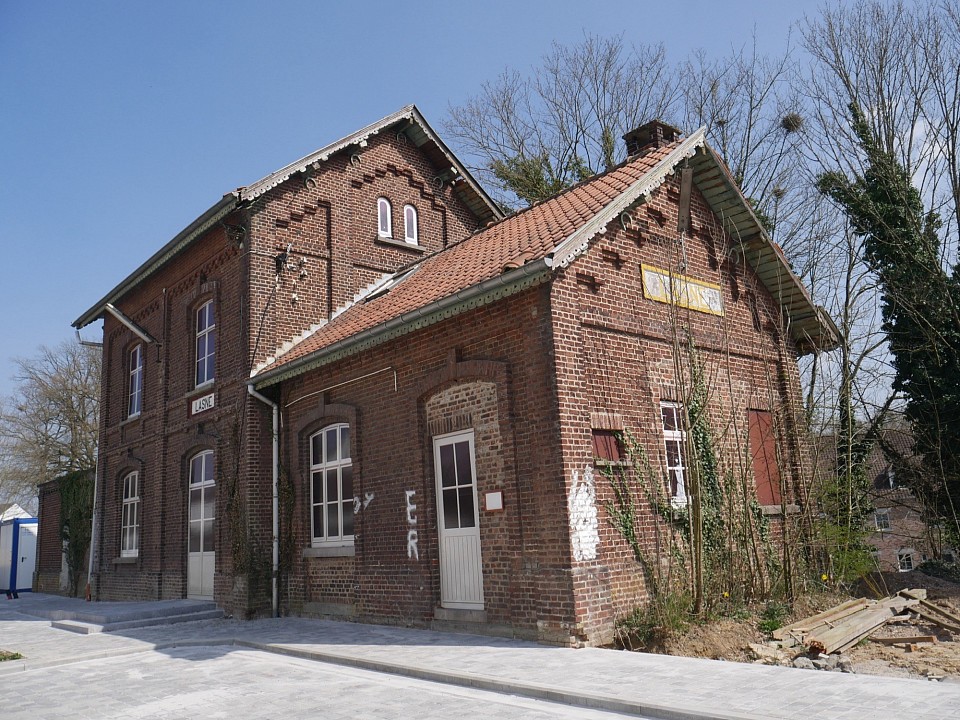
point(903, 534)
point(352, 389)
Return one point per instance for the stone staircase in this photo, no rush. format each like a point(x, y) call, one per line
point(114, 617)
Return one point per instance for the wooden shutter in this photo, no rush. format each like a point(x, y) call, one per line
point(763, 452)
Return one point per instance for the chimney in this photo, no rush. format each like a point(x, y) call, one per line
point(648, 136)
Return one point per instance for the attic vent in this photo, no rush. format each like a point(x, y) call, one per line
point(653, 134)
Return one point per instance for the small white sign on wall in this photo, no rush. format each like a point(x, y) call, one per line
point(203, 403)
point(493, 500)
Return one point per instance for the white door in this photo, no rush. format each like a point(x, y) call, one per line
point(201, 557)
point(27, 550)
point(461, 571)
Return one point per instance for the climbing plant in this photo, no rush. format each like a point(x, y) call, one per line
point(76, 514)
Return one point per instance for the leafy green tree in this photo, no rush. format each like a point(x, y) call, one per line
point(919, 302)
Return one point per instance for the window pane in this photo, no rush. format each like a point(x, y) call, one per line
point(673, 453)
point(448, 475)
point(316, 449)
point(670, 420)
point(346, 483)
point(195, 506)
point(195, 537)
point(318, 521)
point(331, 445)
point(674, 482)
point(464, 472)
point(333, 491)
point(466, 507)
point(450, 514)
point(333, 522)
point(345, 441)
point(348, 517)
point(134, 538)
point(210, 501)
point(208, 467)
point(317, 489)
point(196, 470)
point(208, 535)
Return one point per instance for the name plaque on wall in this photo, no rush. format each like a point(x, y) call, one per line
point(203, 403)
point(675, 289)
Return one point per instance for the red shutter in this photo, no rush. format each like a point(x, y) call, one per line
point(763, 451)
point(605, 446)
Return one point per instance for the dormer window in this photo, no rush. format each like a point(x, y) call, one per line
point(410, 231)
point(384, 218)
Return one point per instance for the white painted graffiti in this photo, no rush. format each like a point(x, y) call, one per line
point(413, 551)
point(361, 504)
point(582, 506)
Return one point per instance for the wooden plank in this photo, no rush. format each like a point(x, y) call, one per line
point(835, 613)
point(905, 640)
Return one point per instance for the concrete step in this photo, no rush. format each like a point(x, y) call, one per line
point(108, 612)
point(88, 628)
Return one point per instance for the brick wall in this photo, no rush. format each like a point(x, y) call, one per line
point(325, 220)
point(619, 354)
point(49, 546)
point(487, 370)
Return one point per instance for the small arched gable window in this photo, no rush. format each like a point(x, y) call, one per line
point(410, 231)
point(384, 218)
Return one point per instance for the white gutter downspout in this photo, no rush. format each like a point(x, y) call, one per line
point(276, 498)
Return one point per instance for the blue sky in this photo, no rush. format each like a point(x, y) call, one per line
point(120, 122)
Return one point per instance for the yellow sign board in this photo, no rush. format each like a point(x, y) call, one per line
point(673, 288)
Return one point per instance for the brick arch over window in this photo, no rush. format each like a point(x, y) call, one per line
point(306, 426)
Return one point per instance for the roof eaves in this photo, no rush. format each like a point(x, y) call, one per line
point(578, 241)
point(199, 226)
point(481, 293)
point(769, 262)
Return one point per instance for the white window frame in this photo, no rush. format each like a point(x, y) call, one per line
point(384, 213)
point(881, 520)
point(678, 436)
point(905, 554)
point(206, 334)
point(319, 467)
point(130, 516)
point(411, 230)
point(135, 389)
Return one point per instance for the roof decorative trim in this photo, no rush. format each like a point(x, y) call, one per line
point(482, 293)
point(578, 241)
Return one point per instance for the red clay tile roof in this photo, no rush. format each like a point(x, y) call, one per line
point(530, 234)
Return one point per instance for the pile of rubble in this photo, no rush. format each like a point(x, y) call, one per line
point(817, 642)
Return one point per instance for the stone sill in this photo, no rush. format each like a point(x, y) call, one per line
point(778, 509)
point(126, 560)
point(332, 551)
point(399, 244)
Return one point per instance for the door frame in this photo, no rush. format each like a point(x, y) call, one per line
point(201, 556)
point(451, 439)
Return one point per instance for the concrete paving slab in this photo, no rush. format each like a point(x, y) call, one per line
point(639, 683)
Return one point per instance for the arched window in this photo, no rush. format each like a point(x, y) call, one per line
point(384, 218)
point(130, 516)
point(135, 390)
point(331, 486)
point(410, 231)
point(206, 343)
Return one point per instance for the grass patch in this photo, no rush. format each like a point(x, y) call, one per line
point(772, 616)
point(7, 655)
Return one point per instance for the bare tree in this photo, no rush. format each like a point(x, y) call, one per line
point(48, 428)
point(528, 137)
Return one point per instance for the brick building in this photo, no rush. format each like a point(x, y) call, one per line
point(353, 389)
point(905, 532)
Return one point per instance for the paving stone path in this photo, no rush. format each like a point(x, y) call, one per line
point(630, 683)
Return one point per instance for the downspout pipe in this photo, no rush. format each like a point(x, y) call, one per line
point(274, 603)
point(93, 530)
